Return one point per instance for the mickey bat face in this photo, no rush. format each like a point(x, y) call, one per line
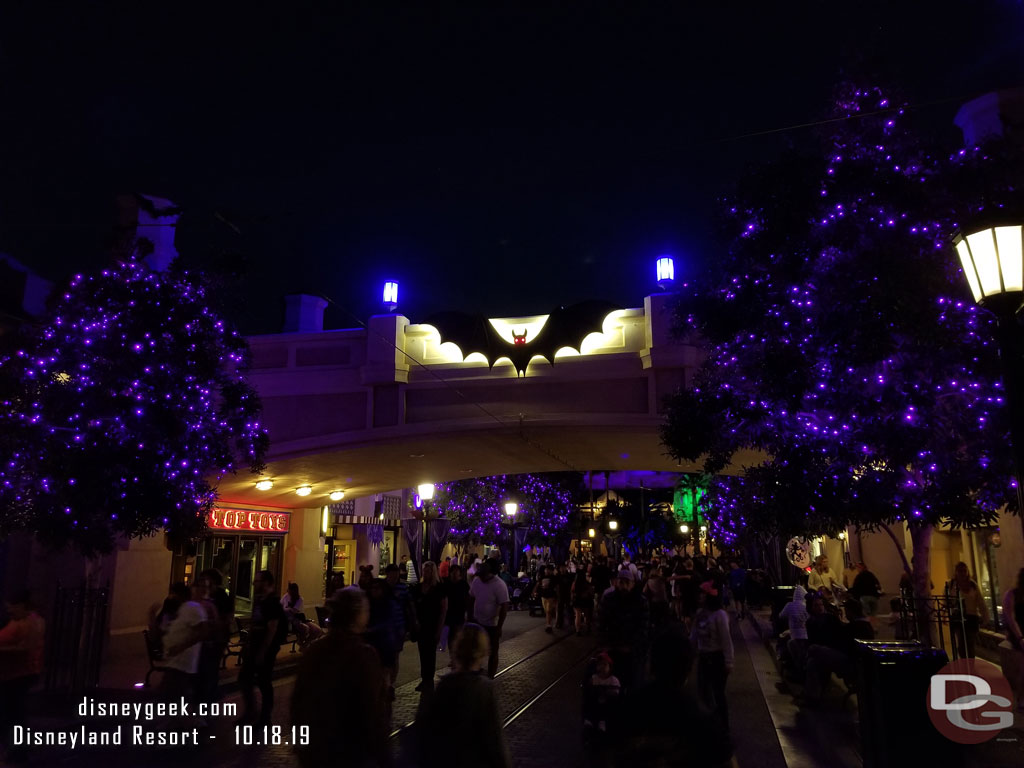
point(519, 339)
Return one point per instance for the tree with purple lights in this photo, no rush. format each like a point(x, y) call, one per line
point(122, 412)
point(843, 349)
point(475, 508)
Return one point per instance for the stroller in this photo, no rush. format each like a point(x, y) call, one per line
point(520, 591)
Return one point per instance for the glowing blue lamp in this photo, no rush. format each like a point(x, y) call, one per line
point(666, 271)
point(391, 295)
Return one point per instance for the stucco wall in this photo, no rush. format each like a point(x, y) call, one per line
point(139, 581)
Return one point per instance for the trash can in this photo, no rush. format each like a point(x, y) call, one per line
point(895, 729)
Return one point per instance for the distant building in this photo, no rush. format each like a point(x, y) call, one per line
point(22, 296)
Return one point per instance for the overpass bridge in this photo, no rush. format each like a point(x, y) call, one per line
point(391, 405)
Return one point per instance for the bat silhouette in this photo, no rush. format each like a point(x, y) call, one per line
point(565, 327)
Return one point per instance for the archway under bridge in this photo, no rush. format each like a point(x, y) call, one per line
point(390, 406)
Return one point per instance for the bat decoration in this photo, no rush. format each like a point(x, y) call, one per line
point(565, 327)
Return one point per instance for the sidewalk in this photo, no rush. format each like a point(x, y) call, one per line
point(830, 735)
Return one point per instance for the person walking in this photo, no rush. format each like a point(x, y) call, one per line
point(968, 610)
point(488, 607)
point(737, 581)
point(461, 725)
point(565, 609)
point(1013, 646)
point(457, 593)
point(182, 632)
point(823, 577)
point(866, 588)
point(582, 601)
point(353, 723)
point(715, 657)
point(431, 605)
point(623, 620)
point(266, 633)
point(547, 589)
point(656, 592)
point(795, 614)
point(21, 664)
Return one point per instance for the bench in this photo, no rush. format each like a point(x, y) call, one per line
point(155, 654)
point(236, 647)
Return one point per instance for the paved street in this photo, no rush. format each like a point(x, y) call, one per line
point(539, 698)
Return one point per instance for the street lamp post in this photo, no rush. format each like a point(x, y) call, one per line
point(511, 509)
point(426, 493)
point(612, 534)
point(993, 262)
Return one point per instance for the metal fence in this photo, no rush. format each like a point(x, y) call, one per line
point(935, 621)
point(75, 639)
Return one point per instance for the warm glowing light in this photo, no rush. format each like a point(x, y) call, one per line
point(304, 490)
point(613, 525)
point(512, 328)
point(703, 529)
point(337, 495)
point(993, 261)
point(264, 485)
point(666, 269)
point(684, 528)
point(592, 533)
point(842, 535)
point(426, 491)
point(391, 292)
point(610, 336)
point(511, 508)
point(325, 518)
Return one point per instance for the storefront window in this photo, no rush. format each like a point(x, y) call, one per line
point(387, 551)
point(238, 558)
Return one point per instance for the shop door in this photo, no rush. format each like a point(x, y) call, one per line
point(245, 574)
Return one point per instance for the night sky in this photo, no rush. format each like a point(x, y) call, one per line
point(491, 158)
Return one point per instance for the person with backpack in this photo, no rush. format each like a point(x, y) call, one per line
point(266, 634)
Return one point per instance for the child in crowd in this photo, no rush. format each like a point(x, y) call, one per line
point(604, 692)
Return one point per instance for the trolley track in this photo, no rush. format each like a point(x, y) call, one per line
point(522, 708)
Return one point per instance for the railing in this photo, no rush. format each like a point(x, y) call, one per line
point(934, 621)
point(75, 639)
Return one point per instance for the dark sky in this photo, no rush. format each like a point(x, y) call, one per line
point(490, 157)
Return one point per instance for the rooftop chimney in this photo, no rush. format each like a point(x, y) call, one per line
point(303, 313)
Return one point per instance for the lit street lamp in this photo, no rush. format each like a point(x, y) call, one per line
point(426, 494)
point(993, 262)
point(511, 509)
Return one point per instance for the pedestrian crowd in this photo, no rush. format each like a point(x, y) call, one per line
point(653, 622)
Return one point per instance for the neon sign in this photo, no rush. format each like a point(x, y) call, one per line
point(248, 520)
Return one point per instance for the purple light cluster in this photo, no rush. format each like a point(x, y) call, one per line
point(125, 410)
point(476, 507)
point(860, 365)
